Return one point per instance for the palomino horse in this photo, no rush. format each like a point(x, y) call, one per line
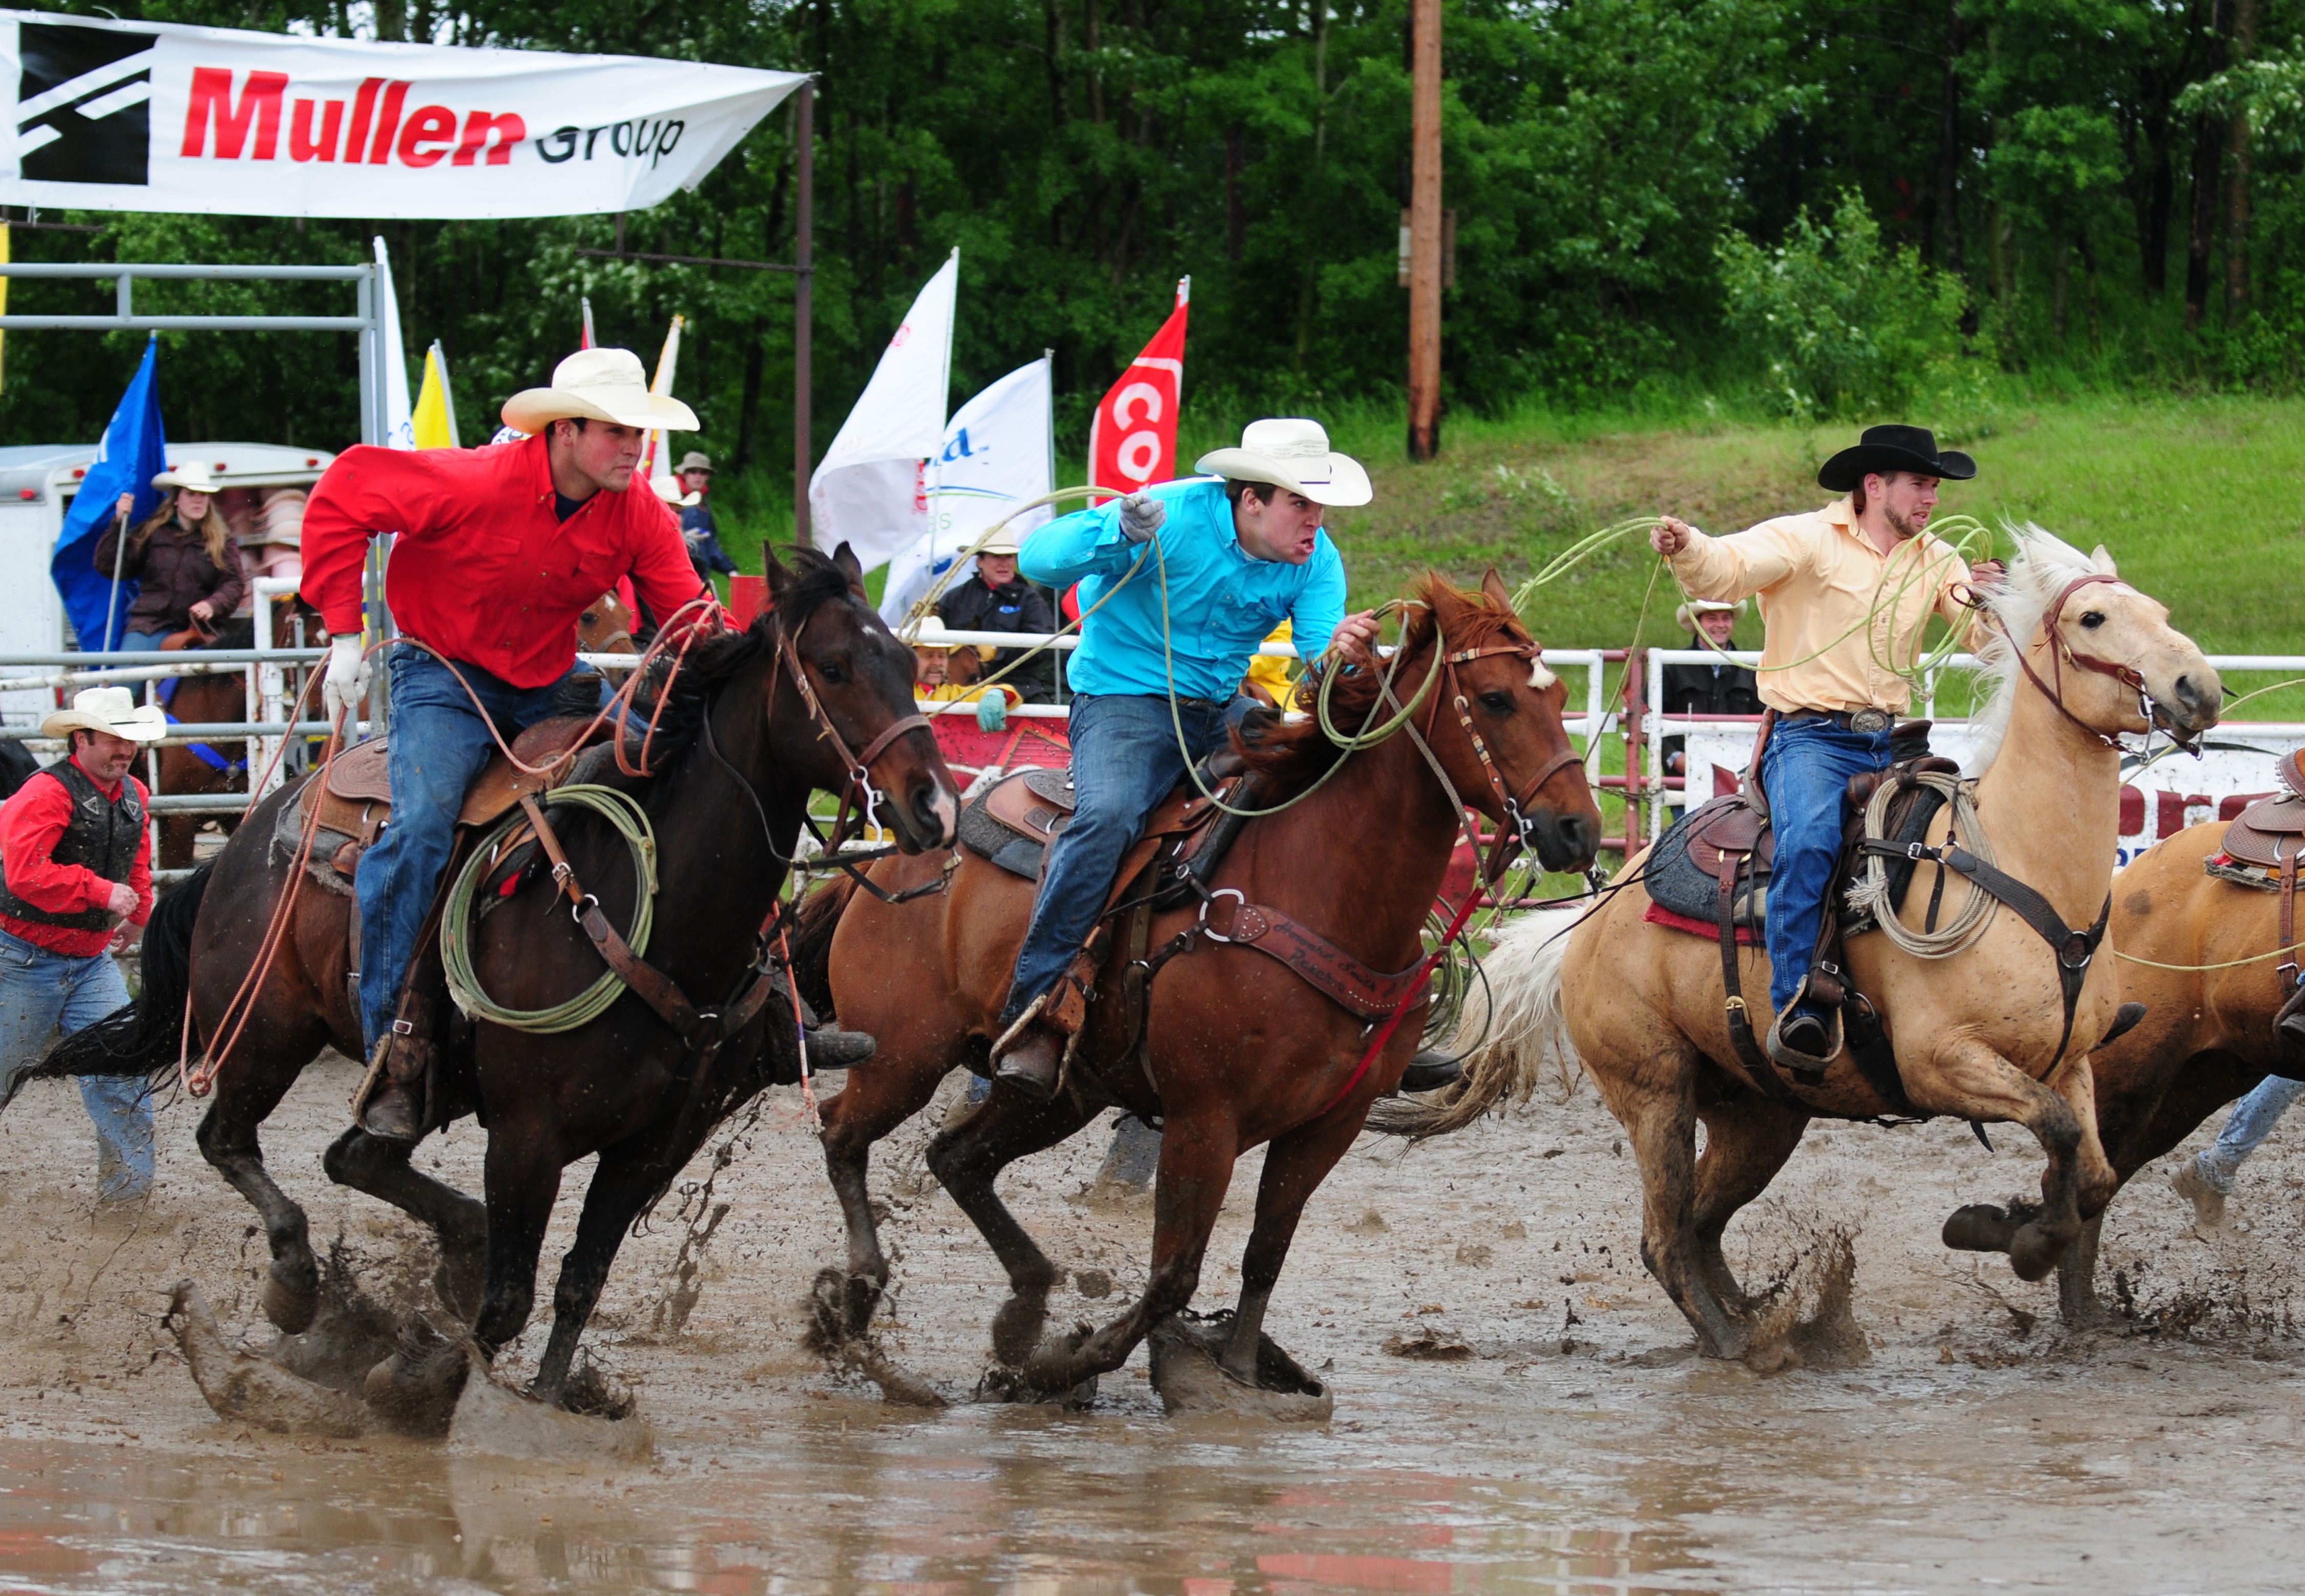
point(1977, 1034)
point(2206, 1037)
point(1238, 1049)
point(751, 724)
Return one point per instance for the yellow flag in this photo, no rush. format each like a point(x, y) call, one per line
point(434, 418)
point(3, 304)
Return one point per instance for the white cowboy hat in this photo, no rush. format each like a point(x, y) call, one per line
point(929, 632)
point(1003, 541)
point(194, 476)
point(669, 490)
point(602, 385)
point(1685, 617)
point(112, 709)
point(1294, 454)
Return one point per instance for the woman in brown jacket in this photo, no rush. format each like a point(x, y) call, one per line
point(183, 556)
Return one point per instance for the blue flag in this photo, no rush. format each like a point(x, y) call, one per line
point(132, 452)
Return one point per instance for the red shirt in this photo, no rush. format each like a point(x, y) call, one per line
point(31, 822)
point(484, 570)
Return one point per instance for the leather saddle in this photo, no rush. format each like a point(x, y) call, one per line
point(355, 800)
point(1012, 822)
point(2269, 832)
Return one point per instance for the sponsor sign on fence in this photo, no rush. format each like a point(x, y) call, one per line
point(152, 116)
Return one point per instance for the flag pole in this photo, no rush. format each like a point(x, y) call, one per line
point(119, 559)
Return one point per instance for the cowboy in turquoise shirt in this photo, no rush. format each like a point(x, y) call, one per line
point(1240, 551)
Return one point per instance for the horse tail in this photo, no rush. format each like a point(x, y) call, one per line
point(1512, 1028)
point(812, 943)
point(146, 1037)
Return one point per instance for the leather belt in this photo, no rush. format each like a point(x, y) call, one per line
point(1866, 722)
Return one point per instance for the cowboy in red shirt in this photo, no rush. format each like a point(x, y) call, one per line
point(499, 550)
point(78, 874)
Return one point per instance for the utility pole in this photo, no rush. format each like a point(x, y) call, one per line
point(804, 294)
point(1425, 231)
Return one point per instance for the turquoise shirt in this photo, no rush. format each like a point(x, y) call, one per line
point(1222, 601)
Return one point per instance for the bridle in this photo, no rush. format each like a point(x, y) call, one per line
point(857, 792)
point(2062, 653)
point(1514, 834)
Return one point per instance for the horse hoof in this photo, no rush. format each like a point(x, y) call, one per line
point(1981, 1227)
point(1016, 1328)
point(291, 1307)
point(1052, 1371)
point(2035, 1251)
point(415, 1393)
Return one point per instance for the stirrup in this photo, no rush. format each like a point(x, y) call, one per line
point(1808, 1067)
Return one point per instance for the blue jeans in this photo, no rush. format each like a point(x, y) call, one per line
point(42, 991)
point(2251, 1122)
point(438, 744)
point(1805, 771)
point(1125, 761)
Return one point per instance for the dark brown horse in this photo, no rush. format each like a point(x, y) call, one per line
point(209, 699)
point(740, 744)
point(1240, 1050)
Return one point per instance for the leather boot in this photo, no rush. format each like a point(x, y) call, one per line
point(1031, 1062)
point(395, 1110)
point(2289, 1027)
point(830, 1047)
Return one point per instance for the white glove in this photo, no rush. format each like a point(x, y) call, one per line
point(1141, 516)
point(345, 684)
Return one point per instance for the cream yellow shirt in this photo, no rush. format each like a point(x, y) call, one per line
point(1817, 577)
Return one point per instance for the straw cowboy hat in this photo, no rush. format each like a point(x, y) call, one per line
point(671, 492)
point(1685, 617)
point(599, 384)
point(1003, 541)
point(195, 478)
point(112, 709)
point(695, 460)
point(1886, 449)
point(1294, 454)
point(929, 632)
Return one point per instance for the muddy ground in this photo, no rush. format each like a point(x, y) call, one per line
point(1567, 1440)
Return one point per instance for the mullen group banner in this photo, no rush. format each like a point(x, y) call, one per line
point(108, 116)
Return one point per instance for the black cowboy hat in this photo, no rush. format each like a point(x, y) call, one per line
point(1884, 449)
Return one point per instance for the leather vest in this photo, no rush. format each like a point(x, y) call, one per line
point(104, 835)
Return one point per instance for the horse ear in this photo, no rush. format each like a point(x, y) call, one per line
point(1492, 589)
point(846, 558)
point(773, 571)
point(2103, 561)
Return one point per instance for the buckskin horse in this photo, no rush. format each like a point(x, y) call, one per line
point(1238, 1049)
point(1989, 1034)
point(749, 726)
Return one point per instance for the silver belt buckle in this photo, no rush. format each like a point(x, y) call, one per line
point(1869, 721)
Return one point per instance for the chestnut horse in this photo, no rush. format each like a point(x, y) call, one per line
point(1238, 1049)
point(752, 724)
point(1979, 1033)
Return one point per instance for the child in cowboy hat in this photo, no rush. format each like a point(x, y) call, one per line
point(77, 858)
point(184, 557)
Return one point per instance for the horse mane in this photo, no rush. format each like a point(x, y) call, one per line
point(2043, 566)
point(711, 664)
point(1290, 756)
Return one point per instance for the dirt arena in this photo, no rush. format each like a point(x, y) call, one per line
point(1558, 1434)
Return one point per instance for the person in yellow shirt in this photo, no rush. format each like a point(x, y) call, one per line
point(1268, 673)
point(1845, 594)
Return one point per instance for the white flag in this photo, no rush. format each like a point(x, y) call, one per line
point(870, 492)
point(995, 455)
point(399, 418)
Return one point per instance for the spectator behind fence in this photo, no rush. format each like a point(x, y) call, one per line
point(1715, 687)
point(697, 529)
point(183, 557)
point(996, 600)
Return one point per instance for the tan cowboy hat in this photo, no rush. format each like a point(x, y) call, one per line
point(929, 632)
point(1003, 541)
point(1685, 617)
point(112, 709)
point(194, 476)
point(601, 384)
point(695, 460)
point(671, 492)
point(1295, 453)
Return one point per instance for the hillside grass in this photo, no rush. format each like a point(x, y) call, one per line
point(2197, 499)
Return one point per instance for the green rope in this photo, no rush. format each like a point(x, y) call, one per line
point(630, 823)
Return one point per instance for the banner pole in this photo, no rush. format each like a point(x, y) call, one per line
point(804, 283)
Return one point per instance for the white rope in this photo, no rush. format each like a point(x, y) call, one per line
point(1870, 895)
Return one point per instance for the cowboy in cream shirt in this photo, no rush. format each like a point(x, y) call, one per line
point(1845, 594)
